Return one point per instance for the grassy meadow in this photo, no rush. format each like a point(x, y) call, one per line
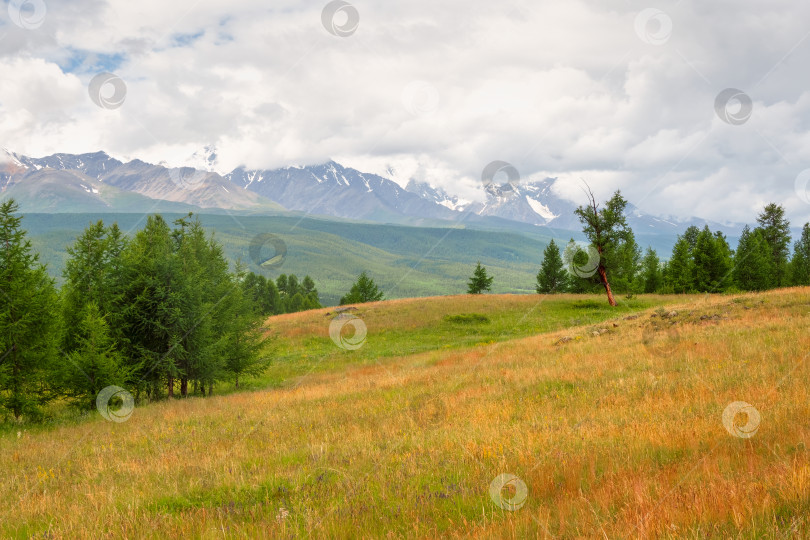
point(611, 420)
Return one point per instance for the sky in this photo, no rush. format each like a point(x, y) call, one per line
point(690, 108)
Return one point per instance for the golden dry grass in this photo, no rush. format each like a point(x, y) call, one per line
point(613, 439)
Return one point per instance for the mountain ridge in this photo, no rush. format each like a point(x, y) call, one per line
point(329, 189)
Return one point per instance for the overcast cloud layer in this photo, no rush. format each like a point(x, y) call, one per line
point(619, 93)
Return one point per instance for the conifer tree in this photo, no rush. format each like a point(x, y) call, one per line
point(29, 326)
point(753, 262)
point(800, 263)
point(92, 275)
point(724, 260)
point(363, 290)
point(710, 265)
point(552, 277)
point(678, 275)
point(651, 271)
point(775, 229)
point(479, 281)
point(690, 235)
point(575, 260)
point(152, 304)
point(94, 363)
point(608, 232)
point(240, 342)
point(625, 261)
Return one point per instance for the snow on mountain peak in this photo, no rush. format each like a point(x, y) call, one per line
point(541, 210)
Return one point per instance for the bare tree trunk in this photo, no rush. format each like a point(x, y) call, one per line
point(603, 279)
point(184, 387)
point(170, 386)
point(211, 388)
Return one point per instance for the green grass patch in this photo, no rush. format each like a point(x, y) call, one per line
point(467, 318)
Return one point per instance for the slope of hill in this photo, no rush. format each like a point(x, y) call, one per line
point(404, 261)
point(69, 191)
point(611, 434)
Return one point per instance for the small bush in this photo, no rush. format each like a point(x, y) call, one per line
point(588, 304)
point(467, 318)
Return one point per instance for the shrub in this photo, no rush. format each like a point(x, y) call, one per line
point(467, 318)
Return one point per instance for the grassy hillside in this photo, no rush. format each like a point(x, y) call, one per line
point(612, 421)
point(404, 261)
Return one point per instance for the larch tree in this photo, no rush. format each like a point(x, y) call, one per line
point(651, 271)
point(678, 273)
point(29, 325)
point(800, 263)
point(93, 363)
point(775, 229)
point(608, 232)
point(92, 275)
point(753, 262)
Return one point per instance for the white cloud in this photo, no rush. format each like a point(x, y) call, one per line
point(559, 89)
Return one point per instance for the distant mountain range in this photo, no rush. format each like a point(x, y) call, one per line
point(96, 182)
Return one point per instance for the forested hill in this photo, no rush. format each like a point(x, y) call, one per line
point(404, 260)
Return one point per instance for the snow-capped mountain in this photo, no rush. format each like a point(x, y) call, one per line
point(93, 181)
point(536, 203)
point(334, 190)
point(96, 175)
point(437, 195)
